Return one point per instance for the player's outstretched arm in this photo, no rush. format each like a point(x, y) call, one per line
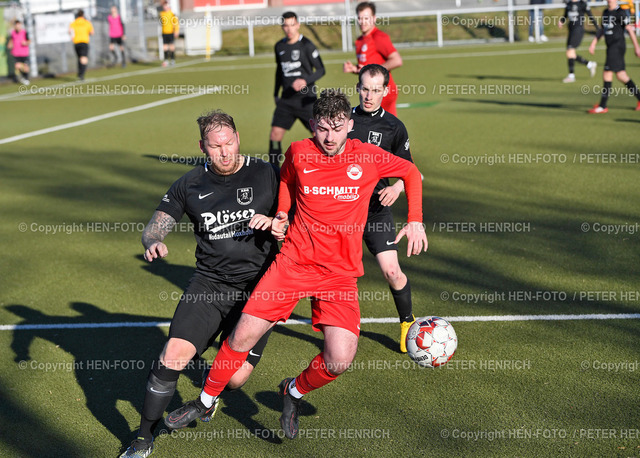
point(260, 222)
point(416, 237)
point(153, 235)
point(414, 230)
point(632, 34)
point(394, 60)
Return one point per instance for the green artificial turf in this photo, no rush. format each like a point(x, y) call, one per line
point(523, 195)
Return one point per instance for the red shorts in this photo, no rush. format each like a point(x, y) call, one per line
point(334, 297)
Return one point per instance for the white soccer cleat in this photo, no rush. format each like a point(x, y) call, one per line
point(592, 68)
point(543, 38)
point(570, 78)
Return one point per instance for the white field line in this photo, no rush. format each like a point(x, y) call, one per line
point(453, 319)
point(101, 117)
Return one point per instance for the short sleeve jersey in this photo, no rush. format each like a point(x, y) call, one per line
point(332, 199)
point(613, 26)
point(220, 208)
point(298, 60)
point(17, 38)
point(169, 22)
point(374, 48)
point(382, 129)
point(82, 29)
point(576, 14)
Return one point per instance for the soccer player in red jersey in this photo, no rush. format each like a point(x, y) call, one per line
point(331, 179)
point(375, 47)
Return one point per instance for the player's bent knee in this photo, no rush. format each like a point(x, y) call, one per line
point(177, 354)
point(240, 377)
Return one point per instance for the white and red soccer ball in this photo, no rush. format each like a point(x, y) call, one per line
point(431, 341)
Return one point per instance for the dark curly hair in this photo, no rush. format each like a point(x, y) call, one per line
point(331, 105)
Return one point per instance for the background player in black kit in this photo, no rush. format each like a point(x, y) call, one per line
point(229, 200)
point(575, 13)
point(372, 124)
point(615, 21)
point(299, 66)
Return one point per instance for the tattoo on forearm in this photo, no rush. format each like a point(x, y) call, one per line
point(157, 229)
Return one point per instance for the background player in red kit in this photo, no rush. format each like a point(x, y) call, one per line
point(375, 47)
point(331, 179)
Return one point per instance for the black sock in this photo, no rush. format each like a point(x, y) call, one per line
point(81, 69)
point(275, 151)
point(582, 60)
point(115, 55)
point(402, 299)
point(572, 65)
point(161, 385)
point(605, 94)
point(633, 89)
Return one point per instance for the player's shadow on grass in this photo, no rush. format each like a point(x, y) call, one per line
point(503, 77)
point(523, 104)
point(178, 275)
point(110, 363)
point(18, 420)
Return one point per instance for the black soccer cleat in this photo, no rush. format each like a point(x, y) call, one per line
point(181, 417)
point(290, 410)
point(139, 448)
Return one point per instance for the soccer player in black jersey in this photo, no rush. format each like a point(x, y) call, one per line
point(575, 14)
point(615, 21)
point(230, 200)
point(299, 66)
point(372, 124)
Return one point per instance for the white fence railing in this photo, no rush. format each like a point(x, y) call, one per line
point(348, 22)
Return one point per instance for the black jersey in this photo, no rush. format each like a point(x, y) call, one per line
point(298, 60)
point(382, 129)
point(613, 26)
point(220, 208)
point(576, 14)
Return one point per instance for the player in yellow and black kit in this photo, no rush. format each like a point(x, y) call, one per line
point(80, 30)
point(170, 30)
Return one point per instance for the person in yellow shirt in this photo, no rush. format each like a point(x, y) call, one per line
point(170, 30)
point(81, 30)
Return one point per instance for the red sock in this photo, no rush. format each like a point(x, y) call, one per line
point(226, 363)
point(314, 376)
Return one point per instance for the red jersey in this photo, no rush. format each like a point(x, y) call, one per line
point(374, 48)
point(332, 201)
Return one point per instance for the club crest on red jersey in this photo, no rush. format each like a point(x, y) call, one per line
point(354, 171)
point(245, 196)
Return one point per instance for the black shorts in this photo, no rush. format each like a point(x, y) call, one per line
point(167, 38)
point(380, 232)
point(288, 110)
point(575, 37)
point(82, 49)
point(211, 308)
point(115, 41)
point(615, 59)
point(21, 59)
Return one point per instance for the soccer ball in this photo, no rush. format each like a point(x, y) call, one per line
point(431, 341)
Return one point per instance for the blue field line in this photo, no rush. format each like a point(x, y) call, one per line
point(453, 319)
